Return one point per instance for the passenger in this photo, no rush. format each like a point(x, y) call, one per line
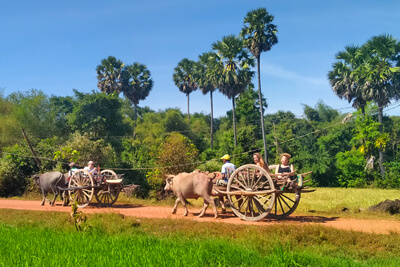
point(72, 169)
point(226, 170)
point(90, 168)
point(286, 167)
point(258, 160)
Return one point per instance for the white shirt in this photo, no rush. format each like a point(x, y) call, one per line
point(91, 171)
point(225, 167)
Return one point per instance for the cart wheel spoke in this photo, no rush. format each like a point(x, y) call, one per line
point(108, 195)
point(248, 180)
point(286, 204)
point(83, 196)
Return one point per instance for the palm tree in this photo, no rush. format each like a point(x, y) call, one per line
point(379, 74)
point(259, 36)
point(137, 84)
point(342, 79)
point(236, 75)
point(183, 78)
point(109, 75)
point(208, 72)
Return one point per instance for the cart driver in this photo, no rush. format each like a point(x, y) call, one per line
point(226, 170)
point(91, 169)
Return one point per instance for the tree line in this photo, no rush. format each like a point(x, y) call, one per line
point(111, 128)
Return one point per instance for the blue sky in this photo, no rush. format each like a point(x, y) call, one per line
point(55, 46)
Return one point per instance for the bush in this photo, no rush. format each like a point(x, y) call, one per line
point(12, 180)
point(210, 166)
point(155, 179)
point(392, 176)
point(177, 154)
point(350, 166)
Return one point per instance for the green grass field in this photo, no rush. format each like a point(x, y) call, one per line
point(36, 238)
point(33, 238)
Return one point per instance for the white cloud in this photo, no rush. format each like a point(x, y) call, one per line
point(291, 76)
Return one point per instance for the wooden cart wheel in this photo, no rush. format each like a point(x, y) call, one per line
point(83, 195)
point(286, 202)
point(249, 180)
point(109, 193)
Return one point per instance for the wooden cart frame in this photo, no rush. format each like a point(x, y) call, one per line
point(105, 187)
point(254, 194)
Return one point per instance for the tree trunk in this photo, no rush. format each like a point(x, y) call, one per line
point(381, 167)
point(135, 118)
point(277, 145)
point(188, 106)
point(261, 111)
point(212, 120)
point(234, 121)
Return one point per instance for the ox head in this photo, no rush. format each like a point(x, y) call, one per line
point(36, 178)
point(168, 183)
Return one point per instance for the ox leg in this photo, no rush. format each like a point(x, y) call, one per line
point(44, 197)
point(65, 198)
point(207, 200)
point(183, 201)
point(205, 206)
point(55, 192)
point(222, 202)
point(176, 205)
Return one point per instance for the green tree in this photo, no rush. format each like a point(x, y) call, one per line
point(342, 79)
point(248, 105)
point(137, 84)
point(259, 35)
point(98, 115)
point(380, 76)
point(208, 73)
point(367, 137)
point(109, 75)
point(31, 111)
point(177, 154)
point(351, 169)
point(8, 123)
point(183, 77)
point(97, 150)
point(237, 74)
point(61, 108)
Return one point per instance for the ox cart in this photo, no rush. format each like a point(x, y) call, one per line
point(105, 187)
point(254, 194)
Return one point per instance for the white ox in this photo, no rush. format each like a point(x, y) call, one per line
point(192, 185)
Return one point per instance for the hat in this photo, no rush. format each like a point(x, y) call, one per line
point(226, 156)
point(72, 164)
point(90, 162)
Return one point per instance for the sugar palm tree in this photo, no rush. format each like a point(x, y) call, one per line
point(343, 80)
point(259, 35)
point(184, 78)
point(109, 75)
point(380, 74)
point(208, 73)
point(237, 74)
point(137, 84)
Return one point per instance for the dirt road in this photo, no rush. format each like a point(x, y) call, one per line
point(363, 225)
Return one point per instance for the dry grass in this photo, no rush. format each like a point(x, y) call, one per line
point(356, 201)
